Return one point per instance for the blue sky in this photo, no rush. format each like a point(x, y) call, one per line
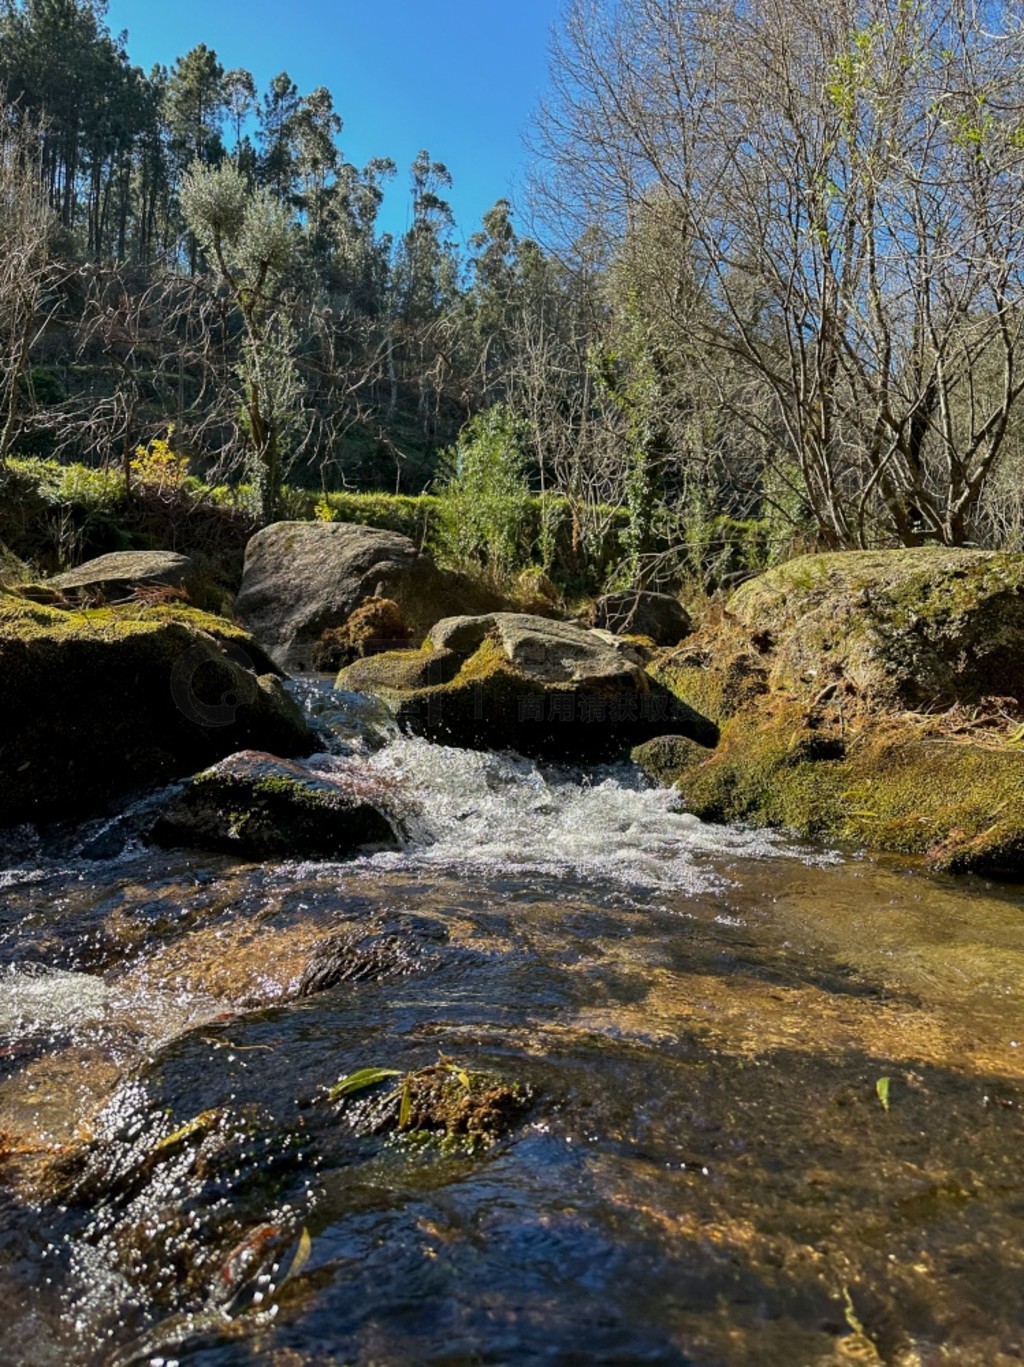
point(459, 77)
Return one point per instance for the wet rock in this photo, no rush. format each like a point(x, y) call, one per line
point(304, 578)
point(658, 616)
point(509, 681)
point(259, 807)
point(115, 576)
point(97, 703)
point(350, 956)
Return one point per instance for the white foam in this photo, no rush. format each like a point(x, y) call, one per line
point(471, 809)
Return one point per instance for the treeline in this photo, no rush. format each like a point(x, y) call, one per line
point(778, 305)
point(120, 314)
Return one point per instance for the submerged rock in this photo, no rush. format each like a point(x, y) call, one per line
point(873, 698)
point(509, 681)
point(260, 807)
point(96, 703)
point(304, 578)
point(658, 616)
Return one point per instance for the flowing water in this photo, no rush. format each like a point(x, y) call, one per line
point(766, 1102)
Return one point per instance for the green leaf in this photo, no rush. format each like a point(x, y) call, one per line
point(199, 1125)
point(882, 1088)
point(360, 1080)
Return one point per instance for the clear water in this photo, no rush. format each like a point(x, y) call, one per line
point(711, 1169)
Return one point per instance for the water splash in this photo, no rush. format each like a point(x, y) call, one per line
point(502, 814)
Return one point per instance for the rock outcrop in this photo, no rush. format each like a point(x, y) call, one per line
point(258, 806)
point(874, 698)
point(921, 628)
point(509, 681)
point(96, 703)
point(304, 578)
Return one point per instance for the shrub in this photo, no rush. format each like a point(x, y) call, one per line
point(483, 521)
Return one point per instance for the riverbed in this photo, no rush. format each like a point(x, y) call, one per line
point(768, 1096)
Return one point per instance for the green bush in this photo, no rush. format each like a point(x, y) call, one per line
point(483, 518)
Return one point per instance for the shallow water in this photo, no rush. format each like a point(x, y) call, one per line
point(710, 1169)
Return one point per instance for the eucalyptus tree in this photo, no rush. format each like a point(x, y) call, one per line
point(845, 179)
point(239, 101)
point(315, 130)
point(278, 112)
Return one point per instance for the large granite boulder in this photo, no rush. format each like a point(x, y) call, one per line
point(258, 806)
point(119, 574)
point(918, 628)
point(658, 616)
point(302, 579)
point(510, 681)
point(96, 703)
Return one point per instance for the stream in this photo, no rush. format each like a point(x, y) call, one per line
point(747, 1102)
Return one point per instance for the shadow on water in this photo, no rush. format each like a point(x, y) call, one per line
point(769, 1106)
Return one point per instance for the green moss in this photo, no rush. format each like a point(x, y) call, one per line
point(916, 628)
point(97, 702)
point(664, 758)
point(21, 619)
point(959, 805)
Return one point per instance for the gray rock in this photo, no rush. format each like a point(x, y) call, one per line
point(510, 681)
point(304, 578)
point(115, 576)
point(657, 615)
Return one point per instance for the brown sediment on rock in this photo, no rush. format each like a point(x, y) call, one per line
point(457, 1107)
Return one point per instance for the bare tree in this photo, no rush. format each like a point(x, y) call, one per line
point(845, 179)
point(30, 272)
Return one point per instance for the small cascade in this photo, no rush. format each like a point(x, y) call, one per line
point(499, 813)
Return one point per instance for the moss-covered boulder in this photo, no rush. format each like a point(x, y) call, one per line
point(257, 806)
point(95, 703)
point(509, 681)
point(874, 698)
point(664, 758)
point(917, 628)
